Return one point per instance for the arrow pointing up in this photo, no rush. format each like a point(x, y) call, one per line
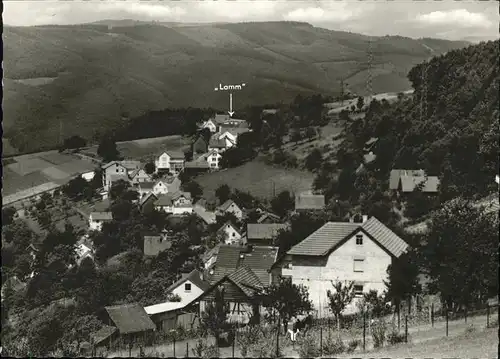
point(230, 112)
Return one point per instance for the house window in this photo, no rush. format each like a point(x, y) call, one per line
point(359, 239)
point(234, 234)
point(187, 287)
point(117, 170)
point(358, 290)
point(359, 265)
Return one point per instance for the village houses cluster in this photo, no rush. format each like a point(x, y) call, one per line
point(246, 260)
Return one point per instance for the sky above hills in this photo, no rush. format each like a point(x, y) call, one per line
point(453, 20)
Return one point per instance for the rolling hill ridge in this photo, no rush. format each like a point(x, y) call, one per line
point(82, 79)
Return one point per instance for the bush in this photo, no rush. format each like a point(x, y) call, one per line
point(395, 337)
point(353, 345)
point(308, 346)
point(378, 334)
point(204, 350)
point(265, 347)
point(470, 330)
point(247, 338)
point(333, 346)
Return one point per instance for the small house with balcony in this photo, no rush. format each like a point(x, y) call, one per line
point(96, 220)
point(170, 161)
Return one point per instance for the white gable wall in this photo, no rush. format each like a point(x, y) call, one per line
point(187, 295)
point(234, 209)
point(317, 273)
point(163, 162)
point(160, 188)
point(232, 235)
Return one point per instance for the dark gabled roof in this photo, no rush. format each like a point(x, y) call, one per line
point(266, 215)
point(225, 206)
point(310, 201)
point(258, 259)
point(326, 238)
point(167, 199)
point(130, 318)
point(264, 230)
point(194, 277)
point(206, 216)
point(246, 280)
point(102, 334)
point(410, 183)
point(396, 174)
point(131, 165)
point(217, 143)
point(147, 184)
point(147, 197)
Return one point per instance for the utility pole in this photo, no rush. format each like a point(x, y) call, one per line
point(369, 84)
point(342, 92)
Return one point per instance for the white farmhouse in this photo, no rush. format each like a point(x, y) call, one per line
point(345, 252)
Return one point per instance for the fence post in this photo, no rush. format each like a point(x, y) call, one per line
point(364, 331)
point(187, 349)
point(446, 321)
point(465, 314)
point(321, 341)
point(488, 315)
point(432, 315)
point(234, 339)
point(406, 329)
point(399, 317)
point(278, 341)
point(174, 347)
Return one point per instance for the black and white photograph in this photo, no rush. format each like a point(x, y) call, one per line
point(250, 179)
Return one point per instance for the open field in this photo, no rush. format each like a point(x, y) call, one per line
point(145, 149)
point(482, 344)
point(29, 174)
point(258, 178)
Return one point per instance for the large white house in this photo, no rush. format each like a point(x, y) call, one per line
point(170, 161)
point(345, 252)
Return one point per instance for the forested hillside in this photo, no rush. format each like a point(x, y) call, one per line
point(87, 79)
point(448, 128)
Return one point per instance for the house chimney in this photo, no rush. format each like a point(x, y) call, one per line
point(365, 218)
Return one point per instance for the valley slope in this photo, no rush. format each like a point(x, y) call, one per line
point(84, 79)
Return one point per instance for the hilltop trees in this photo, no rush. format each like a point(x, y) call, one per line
point(107, 149)
point(73, 142)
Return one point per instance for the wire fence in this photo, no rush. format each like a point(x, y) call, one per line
point(325, 337)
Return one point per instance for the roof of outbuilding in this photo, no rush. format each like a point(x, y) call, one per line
point(410, 183)
point(101, 216)
point(326, 238)
point(130, 318)
point(264, 230)
point(396, 174)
